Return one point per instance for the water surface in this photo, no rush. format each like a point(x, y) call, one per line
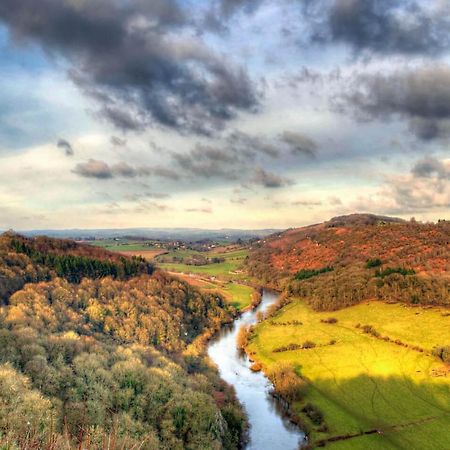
point(269, 429)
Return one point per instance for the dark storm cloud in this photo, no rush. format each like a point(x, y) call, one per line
point(268, 179)
point(420, 95)
point(382, 26)
point(66, 146)
point(136, 60)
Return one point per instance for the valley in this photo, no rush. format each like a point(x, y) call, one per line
point(352, 350)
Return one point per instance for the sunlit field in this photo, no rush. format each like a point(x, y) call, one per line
point(229, 269)
point(385, 382)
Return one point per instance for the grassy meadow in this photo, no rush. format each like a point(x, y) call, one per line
point(361, 382)
point(226, 270)
point(221, 277)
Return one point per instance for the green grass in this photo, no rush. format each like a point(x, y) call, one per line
point(361, 382)
point(233, 261)
point(122, 246)
point(240, 295)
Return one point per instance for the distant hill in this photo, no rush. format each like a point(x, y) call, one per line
point(366, 254)
point(181, 234)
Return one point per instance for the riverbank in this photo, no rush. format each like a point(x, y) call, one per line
point(270, 428)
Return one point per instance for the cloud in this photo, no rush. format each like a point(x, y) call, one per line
point(425, 188)
point(299, 143)
point(306, 203)
point(206, 210)
point(102, 170)
point(268, 179)
point(380, 26)
point(419, 95)
point(335, 201)
point(239, 152)
point(219, 13)
point(208, 161)
point(118, 142)
point(238, 201)
point(430, 167)
point(229, 7)
point(66, 146)
point(141, 195)
point(145, 206)
point(137, 60)
point(94, 169)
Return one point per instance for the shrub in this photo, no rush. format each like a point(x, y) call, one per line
point(286, 382)
point(371, 263)
point(242, 337)
point(287, 348)
point(442, 352)
point(304, 274)
point(330, 320)
point(390, 270)
point(308, 344)
point(369, 329)
point(314, 414)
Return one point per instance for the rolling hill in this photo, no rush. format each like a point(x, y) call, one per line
point(375, 372)
point(352, 258)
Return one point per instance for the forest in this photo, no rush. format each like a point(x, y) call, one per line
point(96, 347)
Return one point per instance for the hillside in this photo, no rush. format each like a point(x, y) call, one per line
point(353, 258)
point(96, 347)
point(375, 372)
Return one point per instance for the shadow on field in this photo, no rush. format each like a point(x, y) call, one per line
point(379, 412)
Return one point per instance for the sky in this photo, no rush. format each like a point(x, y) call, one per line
point(222, 113)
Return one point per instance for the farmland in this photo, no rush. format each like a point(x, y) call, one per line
point(227, 269)
point(368, 370)
point(222, 276)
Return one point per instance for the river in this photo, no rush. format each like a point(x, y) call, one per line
point(269, 429)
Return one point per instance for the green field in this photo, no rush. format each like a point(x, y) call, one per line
point(239, 294)
point(361, 382)
point(233, 261)
point(122, 246)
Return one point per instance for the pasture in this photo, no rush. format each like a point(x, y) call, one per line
point(228, 269)
point(381, 380)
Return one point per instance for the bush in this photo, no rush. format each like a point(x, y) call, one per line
point(390, 270)
point(369, 329)
point(286, 382)
point(242, 337)
point(304, 274)
point(330, 320)
point(314, 414)
point(371, 263)
point(442, 352)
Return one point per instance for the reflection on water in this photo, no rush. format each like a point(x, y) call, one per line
point(268, 428)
